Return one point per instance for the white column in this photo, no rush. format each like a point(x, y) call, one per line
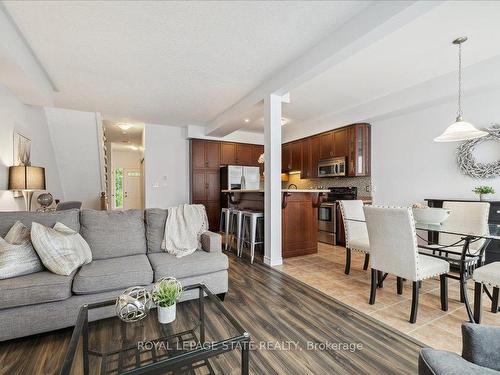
point(272, 188)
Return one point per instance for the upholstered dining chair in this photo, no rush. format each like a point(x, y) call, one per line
point(356, 235)
point(394, 250)
point(466, 217)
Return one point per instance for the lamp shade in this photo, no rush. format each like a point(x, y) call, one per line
point(26, 178)
point(460, 131)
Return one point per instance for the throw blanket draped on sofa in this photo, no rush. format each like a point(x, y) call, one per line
point(183, 229)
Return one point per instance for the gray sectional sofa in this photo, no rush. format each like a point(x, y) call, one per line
point(126, 251)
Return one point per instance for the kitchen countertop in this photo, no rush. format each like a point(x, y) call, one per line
point(282, 190)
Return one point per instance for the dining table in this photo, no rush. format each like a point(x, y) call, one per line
point(458, 254)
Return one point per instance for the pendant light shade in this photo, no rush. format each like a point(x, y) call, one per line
point(460, 130)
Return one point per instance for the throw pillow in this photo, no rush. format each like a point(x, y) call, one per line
point(17, 256)
point(61, 249)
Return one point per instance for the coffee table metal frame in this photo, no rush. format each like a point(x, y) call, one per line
point(175, 362)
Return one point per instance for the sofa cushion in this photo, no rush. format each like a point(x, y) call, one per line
point(198, 263)
point(155, 228)
point(110, 274)
point(70, 218)
point(481, 345)
point(112, 234)
point(39, 287)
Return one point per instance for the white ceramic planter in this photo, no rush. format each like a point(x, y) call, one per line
point(166, 314)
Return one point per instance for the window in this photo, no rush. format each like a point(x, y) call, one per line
point(119, 188)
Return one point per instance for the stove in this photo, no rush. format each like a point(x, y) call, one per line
point(329, 230)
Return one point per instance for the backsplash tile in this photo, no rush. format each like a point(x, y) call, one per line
point(360, 182)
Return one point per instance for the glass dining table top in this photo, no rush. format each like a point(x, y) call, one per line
point(492, 233)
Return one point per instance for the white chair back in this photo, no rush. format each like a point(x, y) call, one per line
point(467, 217)
point(353, 209)
point(393, 241)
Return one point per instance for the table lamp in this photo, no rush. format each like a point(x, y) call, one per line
point(27, 179)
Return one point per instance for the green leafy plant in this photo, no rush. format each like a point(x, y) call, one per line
point(484, 190)
point(167, 292)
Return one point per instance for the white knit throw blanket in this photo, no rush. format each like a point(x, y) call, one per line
point(183, 229)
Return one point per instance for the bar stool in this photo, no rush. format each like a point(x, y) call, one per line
point(488, 275)
point(236, 228)
point(249, 231)
point(225, 224)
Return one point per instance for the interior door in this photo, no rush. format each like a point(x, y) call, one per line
point(132, 191)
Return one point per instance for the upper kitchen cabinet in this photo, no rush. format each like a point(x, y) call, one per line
point(315, 156)
point(358, 161)
point(326, 146)
point(296, 156)
point(286, 158)
point(340, 144)
point(205, 154)
point(305, 170)
point(227, 153)
point(256, 152)
point(244, 154)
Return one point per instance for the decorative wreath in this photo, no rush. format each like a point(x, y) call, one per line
point(468, 164)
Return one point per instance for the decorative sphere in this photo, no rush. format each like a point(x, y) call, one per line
point(45, 199)
point(133, 304)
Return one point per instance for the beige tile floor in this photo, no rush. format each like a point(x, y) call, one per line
point(434, 327)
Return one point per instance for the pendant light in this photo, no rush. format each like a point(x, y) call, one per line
point(460, 130)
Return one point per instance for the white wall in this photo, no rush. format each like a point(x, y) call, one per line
point(407, 166)
point(75, 139)
point(32, 123)
point(166, 159)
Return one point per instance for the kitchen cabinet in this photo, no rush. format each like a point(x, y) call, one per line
point(359, 142)
point(206, 158)
point(326, 146)
point(244, 154)
point(205, 154)
point(227, 153)
point(305, 170)
point(340, 144)
point(296, 156)
point(286, 158)
point(315, 156)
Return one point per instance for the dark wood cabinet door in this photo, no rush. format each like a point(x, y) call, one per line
point(199, 188)
point(340, 146)
point(296, 156)
point(212, 185)
point(213, 214)
point(227, 153)
point(197, 154)
point(212, 155)
point(305, 170)
point(244, 154)
point(359, 163)
point(326, 146)
point(315, 156)
point(257, 150)
point(286, 158)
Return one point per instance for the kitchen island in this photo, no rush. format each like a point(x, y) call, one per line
point(299, 216)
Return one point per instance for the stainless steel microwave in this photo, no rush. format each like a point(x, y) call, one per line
point(332, 167)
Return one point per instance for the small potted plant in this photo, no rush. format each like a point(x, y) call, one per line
point(166, 293)
point(483, 191)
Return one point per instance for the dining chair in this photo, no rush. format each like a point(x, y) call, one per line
point(466, 217)
point(394, 250)
point(356, 235)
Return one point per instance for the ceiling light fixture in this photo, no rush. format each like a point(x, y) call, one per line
point(284, 121)
point(460, 130)
point(247, 120)
point(124, 126)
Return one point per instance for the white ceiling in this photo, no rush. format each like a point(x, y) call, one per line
point(418, 52)
point(173, 62)
point(130, 137)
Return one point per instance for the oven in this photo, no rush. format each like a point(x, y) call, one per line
point(332, 167)
point(326, 222)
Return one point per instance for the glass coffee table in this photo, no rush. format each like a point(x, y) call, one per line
point(192, 344)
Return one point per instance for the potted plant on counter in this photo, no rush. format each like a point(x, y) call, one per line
point(483, 191)
point(166, 293)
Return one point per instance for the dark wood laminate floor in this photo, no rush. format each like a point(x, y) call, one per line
point(274, 308)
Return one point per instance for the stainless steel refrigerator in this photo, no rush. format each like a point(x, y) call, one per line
point(236, 177)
